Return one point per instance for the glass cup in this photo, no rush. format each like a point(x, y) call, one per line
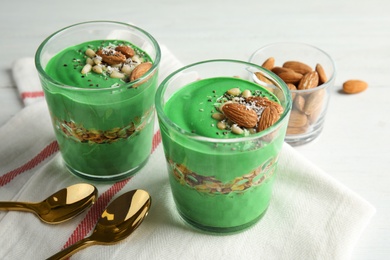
point(309, 105)
point(104, 133)
point(219, 185)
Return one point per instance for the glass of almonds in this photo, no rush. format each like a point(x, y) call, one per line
point(309, 73)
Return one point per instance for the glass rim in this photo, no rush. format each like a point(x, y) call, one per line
point(322, 86)
point(42, 72)
point(164, 84)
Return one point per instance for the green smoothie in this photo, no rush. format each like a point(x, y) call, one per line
point(102, 112)
point(223, 184)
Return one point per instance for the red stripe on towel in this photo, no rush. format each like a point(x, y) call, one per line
point(32, 94)
point(90, 220)
point(156, 140)
point(46, 152)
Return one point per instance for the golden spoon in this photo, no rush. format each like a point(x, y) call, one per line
point(117, 222)
point(59, 207)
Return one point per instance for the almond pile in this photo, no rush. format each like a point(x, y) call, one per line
point(119, 61)
point(246, 113)
point(299, 76)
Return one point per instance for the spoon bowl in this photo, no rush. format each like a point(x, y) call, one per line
point(60, 206)
point(118, 221)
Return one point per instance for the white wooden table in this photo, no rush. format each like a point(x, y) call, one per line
point(354, 146)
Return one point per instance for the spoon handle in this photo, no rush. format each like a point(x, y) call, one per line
point(69, 251)
point(15, 205)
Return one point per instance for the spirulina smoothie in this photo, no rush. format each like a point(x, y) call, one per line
point(221, 171)
point(103, 123)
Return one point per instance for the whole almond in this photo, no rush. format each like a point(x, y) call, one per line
point(298, 67)
point(269, 63)
point(140, 70)
point(314, 102)
point(322, 78)
point(240, 114)
point(308, 81)
point(278, 70)
point(292, 87)
point(262, 78)
point(111, 58)
point(125, 50)
point(290, 76)
point(268, 117)
point(296, 130)
point(354, 86)
point(264, 102)
point(297, 119)
point(313, 117)
point(299, 103)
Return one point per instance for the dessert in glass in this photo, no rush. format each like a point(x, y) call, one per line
point(222, 133)
point(99, 79)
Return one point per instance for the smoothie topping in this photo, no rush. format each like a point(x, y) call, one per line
point(110, 56)
point(140, 70)
point(246, 112)
point(126, 50)
point(116, 61)
point(240, 114)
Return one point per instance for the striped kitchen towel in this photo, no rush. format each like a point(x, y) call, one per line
point(311, 215)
